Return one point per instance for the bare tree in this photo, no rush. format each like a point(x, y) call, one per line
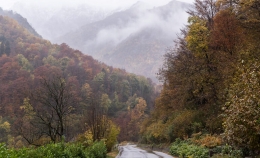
point(96, 118)
point(52, 102)
point(205, 9)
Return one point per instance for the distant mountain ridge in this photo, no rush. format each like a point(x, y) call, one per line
point(52, 22)
point(134, 39)
point(21, 20)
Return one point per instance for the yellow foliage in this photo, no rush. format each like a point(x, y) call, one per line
point(208, 141)
point(89, 137)
point(198, 36)
point(27, 107)
point(87, 91)
point(43, 141)
point(111, 137)
point(15, 142)
point(86, 138)
point(182, 123)
point(6, 126)
point(157, 130)
point(139, 109)
point(19, 144)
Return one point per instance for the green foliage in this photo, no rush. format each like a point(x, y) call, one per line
point(59, 150)
point(185, 149)
point(226, 151)
point(51, 61)
point(64, 62)
point(97, 150)
point(105, 102)
point(25, 64)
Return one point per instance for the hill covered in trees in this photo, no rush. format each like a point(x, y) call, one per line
point(51, 93)
point(210, 96)
point(21, 20)
point(209, 104)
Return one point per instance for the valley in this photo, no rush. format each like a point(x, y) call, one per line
point(84, 79)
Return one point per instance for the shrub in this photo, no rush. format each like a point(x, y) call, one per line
point(111, 138)
point(97, 150)
point(185, 149)
point(59, 150)
point(86, 139)
point(226, 151)
point(207, 141)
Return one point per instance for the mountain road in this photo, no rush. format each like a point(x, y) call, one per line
point(131, 151)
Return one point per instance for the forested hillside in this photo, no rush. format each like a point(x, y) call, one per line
point(51, 93)
point(21, 20)
point(57, 102)
point(210, 95)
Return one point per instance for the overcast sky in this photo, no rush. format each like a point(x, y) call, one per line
point(110, 4)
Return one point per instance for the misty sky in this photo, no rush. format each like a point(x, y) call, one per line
point(111, 4)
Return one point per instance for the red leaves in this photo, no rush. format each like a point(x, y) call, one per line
point(227, 35)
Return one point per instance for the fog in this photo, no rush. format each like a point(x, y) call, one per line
point(128, 34)
point(134, 39)
point(168, 26)
point(111, 4)
point(53, 19)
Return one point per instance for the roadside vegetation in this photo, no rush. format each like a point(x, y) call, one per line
point(58, 150)
point(211, 84)
point(53, 96)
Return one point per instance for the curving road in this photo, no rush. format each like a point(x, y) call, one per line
point(131, 151)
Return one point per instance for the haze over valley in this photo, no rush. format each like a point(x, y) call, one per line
point(133, 36)
point(84, 78)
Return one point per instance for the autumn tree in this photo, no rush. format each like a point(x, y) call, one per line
point(5, 130)
point(241, 111)
point(51, 103)
point(193, 84)
point(205, 10)
point(25, 64)
point(97, 121)
point(96, 118)
point(137, 115)
point(111, 135)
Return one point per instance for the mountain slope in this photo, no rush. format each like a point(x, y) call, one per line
point(21, 20)
point(134, 39)
point(26, 61)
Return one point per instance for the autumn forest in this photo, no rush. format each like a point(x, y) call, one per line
point(53, 96)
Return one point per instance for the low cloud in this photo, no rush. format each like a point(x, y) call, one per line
point(167, 25)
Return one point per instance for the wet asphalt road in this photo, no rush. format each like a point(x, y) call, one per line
point(131, 151)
